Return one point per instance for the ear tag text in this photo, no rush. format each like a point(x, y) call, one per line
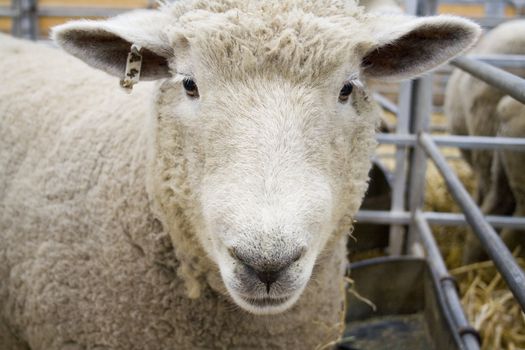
point(133, 68)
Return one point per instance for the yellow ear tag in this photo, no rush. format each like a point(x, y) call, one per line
point(133, 68)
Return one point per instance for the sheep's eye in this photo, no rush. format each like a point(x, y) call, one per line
point(190, 87)
point(345, 92)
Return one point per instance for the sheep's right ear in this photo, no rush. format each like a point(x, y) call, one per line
point(406, 47)
point(105, 44)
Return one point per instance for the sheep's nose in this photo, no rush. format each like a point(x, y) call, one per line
point(267, 270)
point(267, 277)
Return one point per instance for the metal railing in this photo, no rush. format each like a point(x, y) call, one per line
point(415, 145)
point(490, 240)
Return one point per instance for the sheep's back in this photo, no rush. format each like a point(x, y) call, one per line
point(66, 132)
point(72, 154)
point(48, 98)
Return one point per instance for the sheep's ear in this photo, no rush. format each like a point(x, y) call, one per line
point(408, 46)
point(105, 44)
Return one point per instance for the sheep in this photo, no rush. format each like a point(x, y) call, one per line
point(209, 208)
point(472, 108)
point(511, 116)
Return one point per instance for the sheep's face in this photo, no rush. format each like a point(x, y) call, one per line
point(277, 146)
point(262, 128)
point(275, 165)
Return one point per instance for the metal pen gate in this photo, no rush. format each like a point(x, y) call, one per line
point(414, 146)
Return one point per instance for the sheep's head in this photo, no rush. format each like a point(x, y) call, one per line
point(263, 125)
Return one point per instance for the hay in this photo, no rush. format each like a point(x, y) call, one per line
point(450, 239)
point(490, 306)
point(353, 291)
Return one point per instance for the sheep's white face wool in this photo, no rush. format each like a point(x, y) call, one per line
point(262, 127)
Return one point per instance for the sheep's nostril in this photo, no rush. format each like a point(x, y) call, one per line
point(266, 269)
point(268, 278)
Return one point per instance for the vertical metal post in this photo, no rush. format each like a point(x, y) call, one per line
point(421, 109)
point(15, 20)
point(397, 232)
point(469, 336)
point(25, 24)
point(151, 4)
point(494, 8)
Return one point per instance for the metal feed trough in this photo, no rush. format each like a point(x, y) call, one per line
point(421, 308)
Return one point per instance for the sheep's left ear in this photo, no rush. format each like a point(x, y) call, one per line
point(406, 47)
point(105, 44)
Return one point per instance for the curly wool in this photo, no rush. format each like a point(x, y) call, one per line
point(309, 37)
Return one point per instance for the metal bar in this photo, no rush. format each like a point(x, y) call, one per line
point(497, 221)
point(481, 142)
point(446, 281)
point(152, 3)
point(468, 142)
point(8, 12)
point(25, 23)
point(397, 232)
point(508, 61)
point(421, 110)
point(56, 11)
point(32, 18)
point(494, 8)
point(385, 217)
point(15, 21)
point(491, 242)
point(397, 139)
point(386, 103)
point(506, 82)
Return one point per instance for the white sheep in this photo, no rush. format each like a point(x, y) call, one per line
point(208, 210)
point(472, 109)
point(511, 115)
